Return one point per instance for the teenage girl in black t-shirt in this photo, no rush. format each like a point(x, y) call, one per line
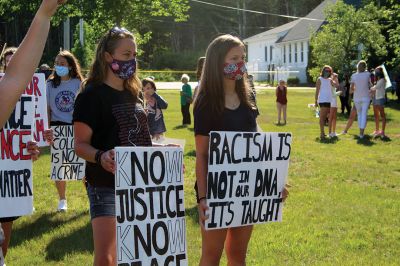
point(107, 114)
point(222, 105)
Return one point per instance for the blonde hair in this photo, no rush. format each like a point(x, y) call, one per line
point(98, 71)
point(361, 66)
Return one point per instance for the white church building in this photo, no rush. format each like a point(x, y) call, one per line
point(283, 52)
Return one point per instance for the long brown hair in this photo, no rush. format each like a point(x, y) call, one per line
point(74, 72)
point(211, 88)
point(98, 71)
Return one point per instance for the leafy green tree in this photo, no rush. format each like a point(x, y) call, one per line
point(393, 17)
point(100, 15)
point(349, 34)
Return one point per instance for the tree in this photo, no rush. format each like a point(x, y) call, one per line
point(100, 15)
point(393, 17)
point(348, 35)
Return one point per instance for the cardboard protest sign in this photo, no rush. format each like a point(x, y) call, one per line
point(149, 200)
point(246, 175)
point(16, 190)
point(37, 88)
point(65, 164)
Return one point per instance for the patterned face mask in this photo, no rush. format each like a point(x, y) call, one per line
point(123, 69)
point(235, 71)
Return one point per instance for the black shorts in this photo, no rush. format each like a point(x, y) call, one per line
point(327, 105)
point(59, 123)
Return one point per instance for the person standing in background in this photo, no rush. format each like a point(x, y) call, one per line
point(281, 101)
point(199, 70)
point(153, 104)
point(62, 88)
point(333, 108)
point(345, 95)
point(323, 96)
point(378, 101)
point(360, 84)
point(186, 99)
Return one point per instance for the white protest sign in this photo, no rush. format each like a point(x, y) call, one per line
point(37, 88)
point(387, 78)
point(246, 175)
point(65, 164)
point(16, 187)
point(150, 210)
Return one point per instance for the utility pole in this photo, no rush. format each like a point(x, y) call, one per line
point(67, 39)
point(244, 19)
point(239, 17)
point(81, 32)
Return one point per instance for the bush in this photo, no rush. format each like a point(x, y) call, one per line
point(85, 53)
point(293, 81)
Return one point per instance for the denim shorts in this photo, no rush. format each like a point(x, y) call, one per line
point(380, 102)
point(101, 200)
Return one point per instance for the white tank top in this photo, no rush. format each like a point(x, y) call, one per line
point(325, 91)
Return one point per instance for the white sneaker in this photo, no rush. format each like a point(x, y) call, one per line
point(62, 206)
point(332, 135)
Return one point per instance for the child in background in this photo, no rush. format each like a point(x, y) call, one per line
point(281, 101)
point(154, 104)
point(186, 99)
point(199, 70)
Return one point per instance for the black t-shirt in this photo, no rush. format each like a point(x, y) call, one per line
point(242, 119)
point(116, 119)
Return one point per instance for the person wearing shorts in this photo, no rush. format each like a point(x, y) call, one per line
point(323, 96)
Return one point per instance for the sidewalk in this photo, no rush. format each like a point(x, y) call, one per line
point(178, 86)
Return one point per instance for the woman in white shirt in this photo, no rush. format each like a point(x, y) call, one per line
point(323, 96)
point(360, 84)
point(378, 101)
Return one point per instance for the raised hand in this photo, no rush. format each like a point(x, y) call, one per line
point(49, 7)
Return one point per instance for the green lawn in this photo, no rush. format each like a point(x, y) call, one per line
point(343, 208)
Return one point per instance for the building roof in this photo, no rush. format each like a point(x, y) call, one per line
point(279, 29)
point(300, 29)
point(304, 27)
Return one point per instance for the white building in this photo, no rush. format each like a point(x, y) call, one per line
point(285, 49)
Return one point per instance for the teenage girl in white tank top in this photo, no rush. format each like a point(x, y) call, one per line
point(323, 96)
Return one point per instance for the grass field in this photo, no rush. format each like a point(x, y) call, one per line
point(343, 208)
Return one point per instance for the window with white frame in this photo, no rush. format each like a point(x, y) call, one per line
point(271, 50)
point(302, 52)
point(284, 54)
point(290, 53)
point(295, 52)
point(266, 53)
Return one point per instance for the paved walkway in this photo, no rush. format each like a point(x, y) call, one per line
point(178, 86)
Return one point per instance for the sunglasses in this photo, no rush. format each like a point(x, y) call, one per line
point(117, 30)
